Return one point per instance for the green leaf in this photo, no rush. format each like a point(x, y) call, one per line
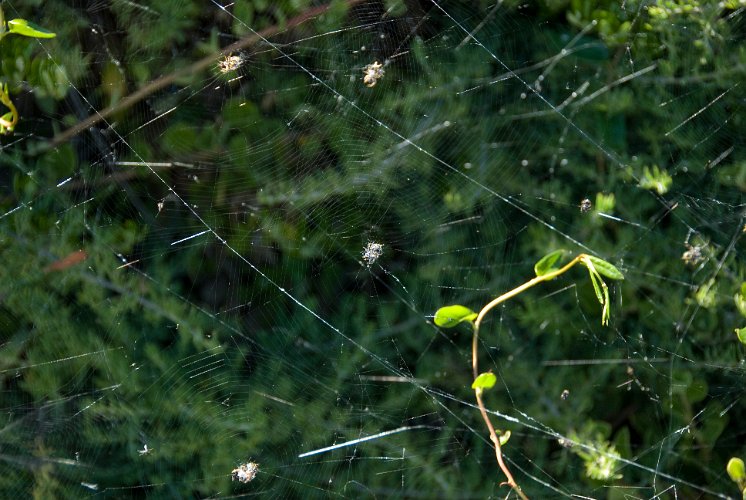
point(599, 286)
point(484, 381)
point(546, 263)
point(656, 179)
point(25, 28)
point(741, 332)
point(736, 470)
point(8, 117)
point(595, 278)
point(605, 269)
point(503, 438)
point(605, 202)
point(450, 316)
point(740, 300)
point(605, 313)
point(4, 96)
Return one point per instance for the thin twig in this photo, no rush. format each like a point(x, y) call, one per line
point(493, 435)
point(498, 449)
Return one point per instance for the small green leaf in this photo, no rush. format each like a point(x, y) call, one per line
point(605, 313)
point(25, 28)
point(741, 332)
point(503, 438)
point(484, 381)
point(546, 263)
point(605, 203)
point(450, 316)
point(595, 278)
point(605, 269)
point(8, 118)
point(4, 97)
point(656, 179)
point(736, 470)
point(740, 300)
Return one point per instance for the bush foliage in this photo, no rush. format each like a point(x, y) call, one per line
point(263, 338)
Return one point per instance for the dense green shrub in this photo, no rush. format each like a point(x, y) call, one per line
point(268, 335)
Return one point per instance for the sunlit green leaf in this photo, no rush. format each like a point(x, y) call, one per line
point(605, 313)
point(504, 438)
point(7, 117)
point(740, 300)
point(484, 381)
point(546, 264)
point(4, 96)
point(596, 285)
point(25, 28)
point(706, 295)
point(605, 203)
point(656, 179)
point(736, 470)
point(450, 316)
point(741, 332)
point(605, 269)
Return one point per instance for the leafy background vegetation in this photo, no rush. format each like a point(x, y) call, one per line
point(197, 351)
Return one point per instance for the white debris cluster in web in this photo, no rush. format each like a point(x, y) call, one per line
point(245, 473)
point(230, 63)
point(372, 252)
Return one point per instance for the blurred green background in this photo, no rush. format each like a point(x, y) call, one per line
point(136, 362)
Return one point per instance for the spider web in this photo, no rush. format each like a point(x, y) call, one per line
point(227, 243)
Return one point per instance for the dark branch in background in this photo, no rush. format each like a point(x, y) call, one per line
point(201, 65)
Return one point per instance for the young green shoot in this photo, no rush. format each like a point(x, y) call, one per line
point(21, 27)
point(546, 269)
point(737, 472)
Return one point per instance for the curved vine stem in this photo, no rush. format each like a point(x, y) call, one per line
point(5, 125)
point(450, 316)
point(510, 481)
point(539, 279)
